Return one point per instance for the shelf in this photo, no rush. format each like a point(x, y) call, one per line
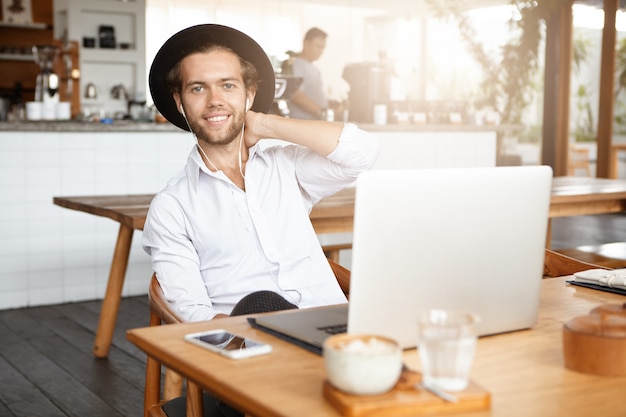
point(35, 26)
point(108, 55)
point(17, 57)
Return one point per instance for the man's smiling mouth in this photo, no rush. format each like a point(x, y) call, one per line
point(216, 118)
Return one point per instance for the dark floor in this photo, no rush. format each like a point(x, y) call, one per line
point(47, 368)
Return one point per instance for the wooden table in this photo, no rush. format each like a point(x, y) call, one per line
point(571, 196)
point(523, 370)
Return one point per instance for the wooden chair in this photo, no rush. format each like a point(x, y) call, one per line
point(578, 160)
point(162, 313)
point(557, 265)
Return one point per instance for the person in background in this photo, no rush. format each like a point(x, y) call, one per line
point(310, 101)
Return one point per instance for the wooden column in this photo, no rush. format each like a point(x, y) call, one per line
point(607, 88)
point(554, 151)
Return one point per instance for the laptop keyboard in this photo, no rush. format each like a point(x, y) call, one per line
point(334, 329)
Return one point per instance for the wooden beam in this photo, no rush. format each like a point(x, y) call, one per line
point(607, 88)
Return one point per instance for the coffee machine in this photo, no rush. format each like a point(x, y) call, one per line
point(369, 86)
point(47, 83)
point(285, 87)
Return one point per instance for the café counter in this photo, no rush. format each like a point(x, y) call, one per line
point(52, 255)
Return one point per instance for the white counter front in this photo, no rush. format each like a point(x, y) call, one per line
point(50, 254)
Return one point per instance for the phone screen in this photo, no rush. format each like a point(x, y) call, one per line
point(228, 344)
point(228, 341)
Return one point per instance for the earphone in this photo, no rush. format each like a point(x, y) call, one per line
point(247, 104)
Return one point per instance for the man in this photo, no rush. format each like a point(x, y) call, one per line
point(309, 102)
point(234, 224)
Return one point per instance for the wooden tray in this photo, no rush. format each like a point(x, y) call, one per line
point(406, 400)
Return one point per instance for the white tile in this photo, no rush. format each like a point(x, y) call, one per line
point(80, 276)
point(13, 299)
point(42, 141)
point(10, 281)
point(47, 227)
point(42, 208)
point(78, 259)
point(78, 157)
point(13, 225)
point(72, 174)
point(43, 260)
point(78, 140)
point(12, 176)
point(14, 159)
point(13, 244)
point(76, 222)
point(45, 296)
point(13, 264)
point(12, 193)
point(74, 189)
point(79, 292)
point(13, 142)
point(46, 278)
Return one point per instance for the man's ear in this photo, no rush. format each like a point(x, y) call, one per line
point(179, 103)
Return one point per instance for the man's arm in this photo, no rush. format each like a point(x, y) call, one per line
point(317, 135)
point(305, 103)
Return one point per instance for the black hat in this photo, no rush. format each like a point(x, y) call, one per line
point(179, 45)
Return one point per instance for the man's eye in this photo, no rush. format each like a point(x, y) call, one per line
point(229, 86)
point(196, 89)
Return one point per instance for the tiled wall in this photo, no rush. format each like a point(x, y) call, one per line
point(49, 254)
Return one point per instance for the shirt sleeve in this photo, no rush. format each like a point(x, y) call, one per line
point(355, 153)
point(175, 261)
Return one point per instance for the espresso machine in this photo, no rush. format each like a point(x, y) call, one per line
point(369, 85)
point(47, 83)
point(286, 86)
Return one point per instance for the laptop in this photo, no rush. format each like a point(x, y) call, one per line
point(456, 238)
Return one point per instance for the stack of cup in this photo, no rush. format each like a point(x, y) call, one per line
point(46, 110)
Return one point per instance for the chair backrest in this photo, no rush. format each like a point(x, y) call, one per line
point(578, 160)
point(558, 265)
point(342, 275)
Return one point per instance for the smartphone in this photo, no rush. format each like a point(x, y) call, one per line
point(228, 344)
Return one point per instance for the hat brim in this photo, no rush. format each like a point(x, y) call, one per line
point(179, 45)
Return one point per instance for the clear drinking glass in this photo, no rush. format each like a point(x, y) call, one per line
point(447, 341)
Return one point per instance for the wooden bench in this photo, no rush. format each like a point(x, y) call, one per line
point(612, 255)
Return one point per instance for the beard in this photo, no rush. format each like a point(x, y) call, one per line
point(221, 137)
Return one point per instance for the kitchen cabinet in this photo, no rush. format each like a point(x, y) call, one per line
point(106, 65)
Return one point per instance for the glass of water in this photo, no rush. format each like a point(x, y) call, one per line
point(447, 341)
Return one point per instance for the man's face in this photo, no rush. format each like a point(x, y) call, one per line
point(213, 95)
point(315, 48)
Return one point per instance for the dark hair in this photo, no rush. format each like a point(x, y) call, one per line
point(315, 33)
point(249, 72)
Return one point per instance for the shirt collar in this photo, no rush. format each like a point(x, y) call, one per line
point(196, 166)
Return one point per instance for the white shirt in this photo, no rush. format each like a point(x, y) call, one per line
point(211, 243)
